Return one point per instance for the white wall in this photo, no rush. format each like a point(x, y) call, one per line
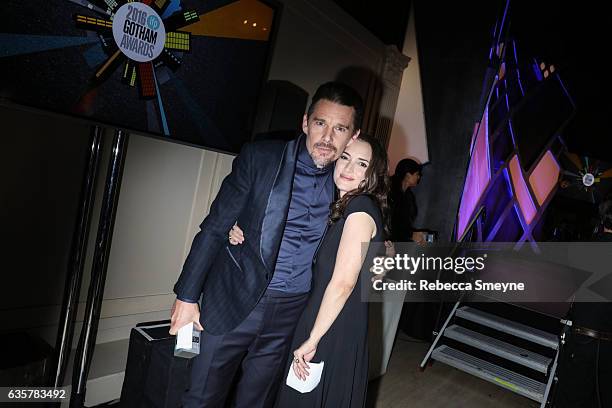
point(408, 137)
point(165, 191)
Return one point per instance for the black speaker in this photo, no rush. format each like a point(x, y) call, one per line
point(153, 376)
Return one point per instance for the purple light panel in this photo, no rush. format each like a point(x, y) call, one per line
point(478, 176)
point(523, 196)
point(544, 177)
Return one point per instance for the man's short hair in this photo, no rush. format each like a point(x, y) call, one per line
point(340, 93)
point(605, 213)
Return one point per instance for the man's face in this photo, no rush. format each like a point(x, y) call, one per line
point(328, 130)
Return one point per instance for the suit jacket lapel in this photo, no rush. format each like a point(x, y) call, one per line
point(277, 208)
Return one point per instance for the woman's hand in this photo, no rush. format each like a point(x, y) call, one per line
point(418, 237)
point(389, 249)
point(389, 253)
point(302, 356)
point(236, 236)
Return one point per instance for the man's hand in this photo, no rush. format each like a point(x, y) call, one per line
point(182, 314)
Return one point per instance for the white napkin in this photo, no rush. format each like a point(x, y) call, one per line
point(312, 380)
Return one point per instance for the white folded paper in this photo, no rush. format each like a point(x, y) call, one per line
point(312, 380)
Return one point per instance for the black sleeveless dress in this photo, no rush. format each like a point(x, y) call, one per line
point(344, 347)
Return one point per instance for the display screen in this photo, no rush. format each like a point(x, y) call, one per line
point(185, 70)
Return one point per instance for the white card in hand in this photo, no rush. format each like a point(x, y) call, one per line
point(312, 380)
point(184, 336)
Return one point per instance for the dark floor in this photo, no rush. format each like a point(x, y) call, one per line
point(405, 386)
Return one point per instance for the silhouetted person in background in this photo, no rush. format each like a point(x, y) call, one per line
point(417, 318)
point(403, 203)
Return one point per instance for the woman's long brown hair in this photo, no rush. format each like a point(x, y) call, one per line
point(376, 183)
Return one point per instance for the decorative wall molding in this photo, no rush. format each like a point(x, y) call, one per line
point(394, 65)
point(392, 72)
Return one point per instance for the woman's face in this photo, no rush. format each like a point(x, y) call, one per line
point(351, 167)
point(410, 180)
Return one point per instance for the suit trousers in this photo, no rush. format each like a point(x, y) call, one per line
point(249, 360)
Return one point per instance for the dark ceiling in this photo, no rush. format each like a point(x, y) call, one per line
point(386, 19)
point(574, 36)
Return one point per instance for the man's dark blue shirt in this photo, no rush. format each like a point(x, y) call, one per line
point(311, 196)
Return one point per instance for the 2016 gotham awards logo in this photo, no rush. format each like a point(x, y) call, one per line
point(139, 32)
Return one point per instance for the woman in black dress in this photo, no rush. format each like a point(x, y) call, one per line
point(334, 325)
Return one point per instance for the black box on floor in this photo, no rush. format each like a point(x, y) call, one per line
point(153, 376)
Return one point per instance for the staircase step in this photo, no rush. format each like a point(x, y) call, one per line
point(508, 326)
point(495, 374)
point(499, 348)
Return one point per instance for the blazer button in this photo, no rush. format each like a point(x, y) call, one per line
point(267, 276)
